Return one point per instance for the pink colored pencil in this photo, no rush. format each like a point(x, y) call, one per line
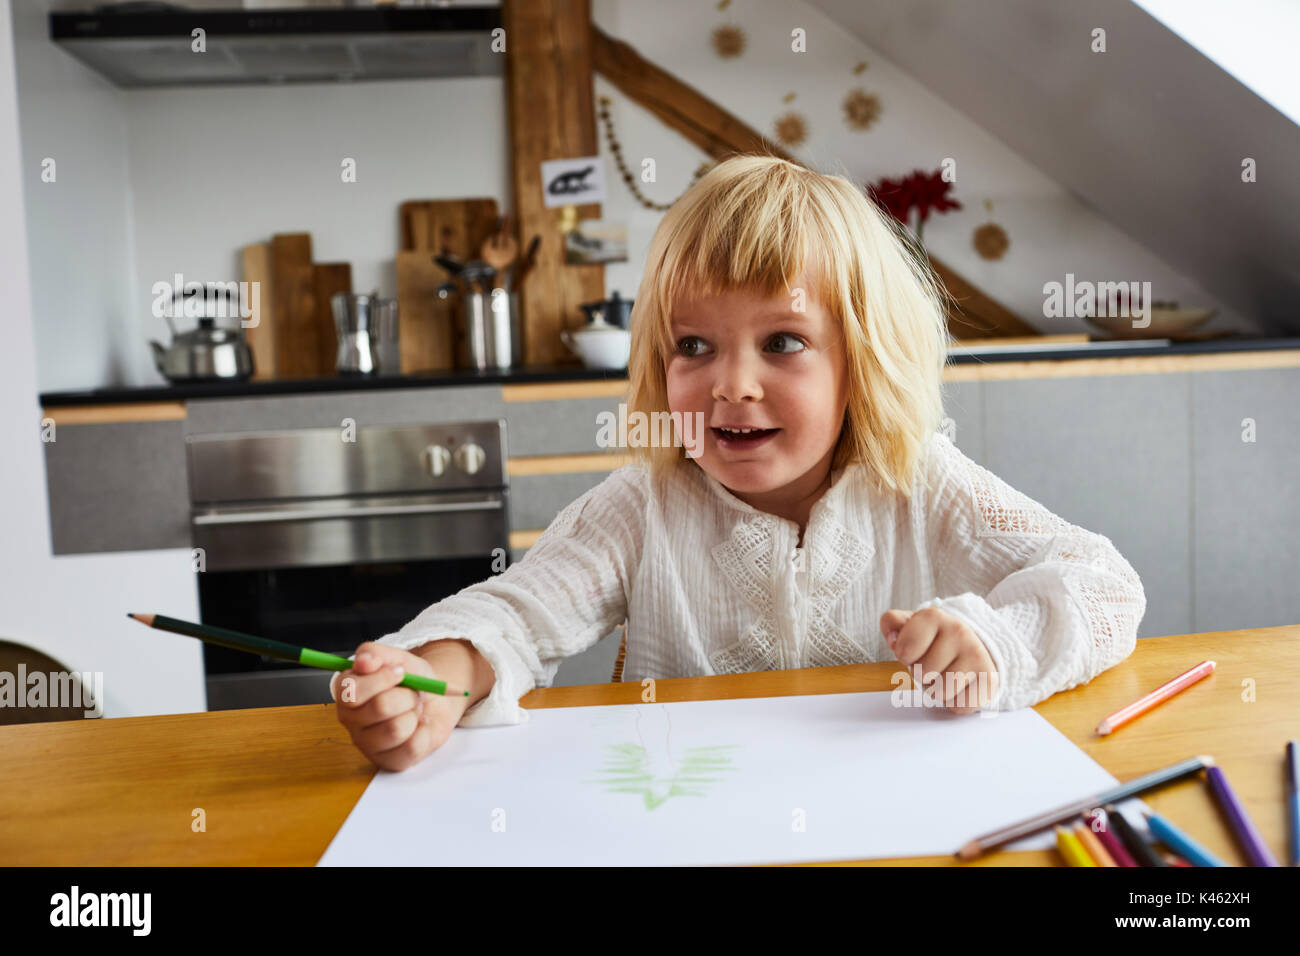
point(1114, 721)
point(1118, 852)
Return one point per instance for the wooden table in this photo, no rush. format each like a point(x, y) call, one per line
point(276, 783)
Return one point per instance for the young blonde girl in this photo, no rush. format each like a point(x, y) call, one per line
point(844, 527)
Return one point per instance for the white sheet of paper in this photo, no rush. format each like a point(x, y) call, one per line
point(755, 780)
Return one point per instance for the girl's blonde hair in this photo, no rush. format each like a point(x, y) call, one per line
point(755, 223)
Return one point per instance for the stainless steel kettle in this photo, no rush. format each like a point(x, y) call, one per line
point(207, 352)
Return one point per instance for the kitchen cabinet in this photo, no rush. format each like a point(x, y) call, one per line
point(1246, 510)
point(1111, 454)
point(117, 486)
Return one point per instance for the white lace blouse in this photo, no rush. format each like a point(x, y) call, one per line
point(710, 585)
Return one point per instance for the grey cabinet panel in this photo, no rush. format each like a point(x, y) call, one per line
point(1247, 499)
point(396, 406)
point(535, 500)
point(963, 402)
point(118, 487)
point(556, 426)
point(1112, 455)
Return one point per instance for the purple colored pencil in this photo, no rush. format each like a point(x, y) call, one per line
point(1109, 840)
point(1252, 844)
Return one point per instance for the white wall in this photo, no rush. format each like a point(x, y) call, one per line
point(79, 226)
point(1051, 232)
point(72, 608)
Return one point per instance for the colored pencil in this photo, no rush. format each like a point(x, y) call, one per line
point(1137, 844)
point(1180, 842)
point(1243, 828)
point(1090, 843)
point(1293, 795)
point(1114, 847)
point(281, 651)
point(1173, 859)
point(1158, 696)
point(1042, 821)
point(1071, 848)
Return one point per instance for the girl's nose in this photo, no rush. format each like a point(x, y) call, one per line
point(737, 379)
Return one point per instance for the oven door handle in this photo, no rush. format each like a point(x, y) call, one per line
point(354, 511)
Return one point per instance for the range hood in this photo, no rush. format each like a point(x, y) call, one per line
point(149, 45)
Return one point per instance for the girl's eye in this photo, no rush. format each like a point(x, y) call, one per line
point(786, 336)
point(684, 346)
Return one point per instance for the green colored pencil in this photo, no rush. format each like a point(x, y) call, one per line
point(282, 651)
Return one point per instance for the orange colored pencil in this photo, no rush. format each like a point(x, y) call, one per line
point(1094, 846)
point(1161, 694)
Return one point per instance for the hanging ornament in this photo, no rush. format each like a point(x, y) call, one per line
point(791, 129)
point(990, 240)
point(788, 98)
point(628, 178)
point(857, 70)
point(861, 109)
point(728, 42)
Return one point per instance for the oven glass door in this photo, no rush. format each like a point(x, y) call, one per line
point(331, 609)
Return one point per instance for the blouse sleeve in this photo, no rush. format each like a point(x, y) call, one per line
point(1054, 604)
point(569, 591)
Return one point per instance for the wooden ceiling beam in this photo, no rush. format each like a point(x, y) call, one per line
point(719, 133)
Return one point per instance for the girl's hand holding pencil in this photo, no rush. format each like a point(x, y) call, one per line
point(395, 726)
point(955, 666)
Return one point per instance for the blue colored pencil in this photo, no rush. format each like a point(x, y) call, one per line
point(1180, 842)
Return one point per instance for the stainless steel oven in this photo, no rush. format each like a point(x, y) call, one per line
point(328, 537)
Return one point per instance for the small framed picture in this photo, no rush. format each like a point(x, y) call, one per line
point(596, 240)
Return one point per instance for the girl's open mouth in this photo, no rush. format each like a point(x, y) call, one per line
point(742, 441)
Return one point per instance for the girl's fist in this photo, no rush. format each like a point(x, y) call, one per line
point(955, 667)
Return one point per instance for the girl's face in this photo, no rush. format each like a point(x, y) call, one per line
point(748, 362)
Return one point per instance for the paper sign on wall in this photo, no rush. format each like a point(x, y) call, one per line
point(573, 182)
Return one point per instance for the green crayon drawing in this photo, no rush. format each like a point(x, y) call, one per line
point(628, 770)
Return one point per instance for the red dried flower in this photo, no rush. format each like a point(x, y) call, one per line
point(924, 192)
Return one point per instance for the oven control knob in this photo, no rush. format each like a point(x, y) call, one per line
point(469, 458)
point(436, 458)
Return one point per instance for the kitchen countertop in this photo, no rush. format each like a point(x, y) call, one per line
point(573, 373)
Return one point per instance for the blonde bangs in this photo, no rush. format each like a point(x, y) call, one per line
point(763, 225)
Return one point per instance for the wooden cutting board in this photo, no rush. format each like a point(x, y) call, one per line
point(424, 321)
point(293, 295)
point(260, 335)
point(429, 226)
point(330, 278)
point(458, 226)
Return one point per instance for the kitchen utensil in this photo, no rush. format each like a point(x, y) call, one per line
point(489, 331)
point(449, 262)
point(599, 344)
point(525, 264)
point(616, 310)
point(367, 333)
point(207, 351)
point(499, 250)
point(1171, 323)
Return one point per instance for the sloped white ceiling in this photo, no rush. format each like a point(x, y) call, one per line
point(1151, 133)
